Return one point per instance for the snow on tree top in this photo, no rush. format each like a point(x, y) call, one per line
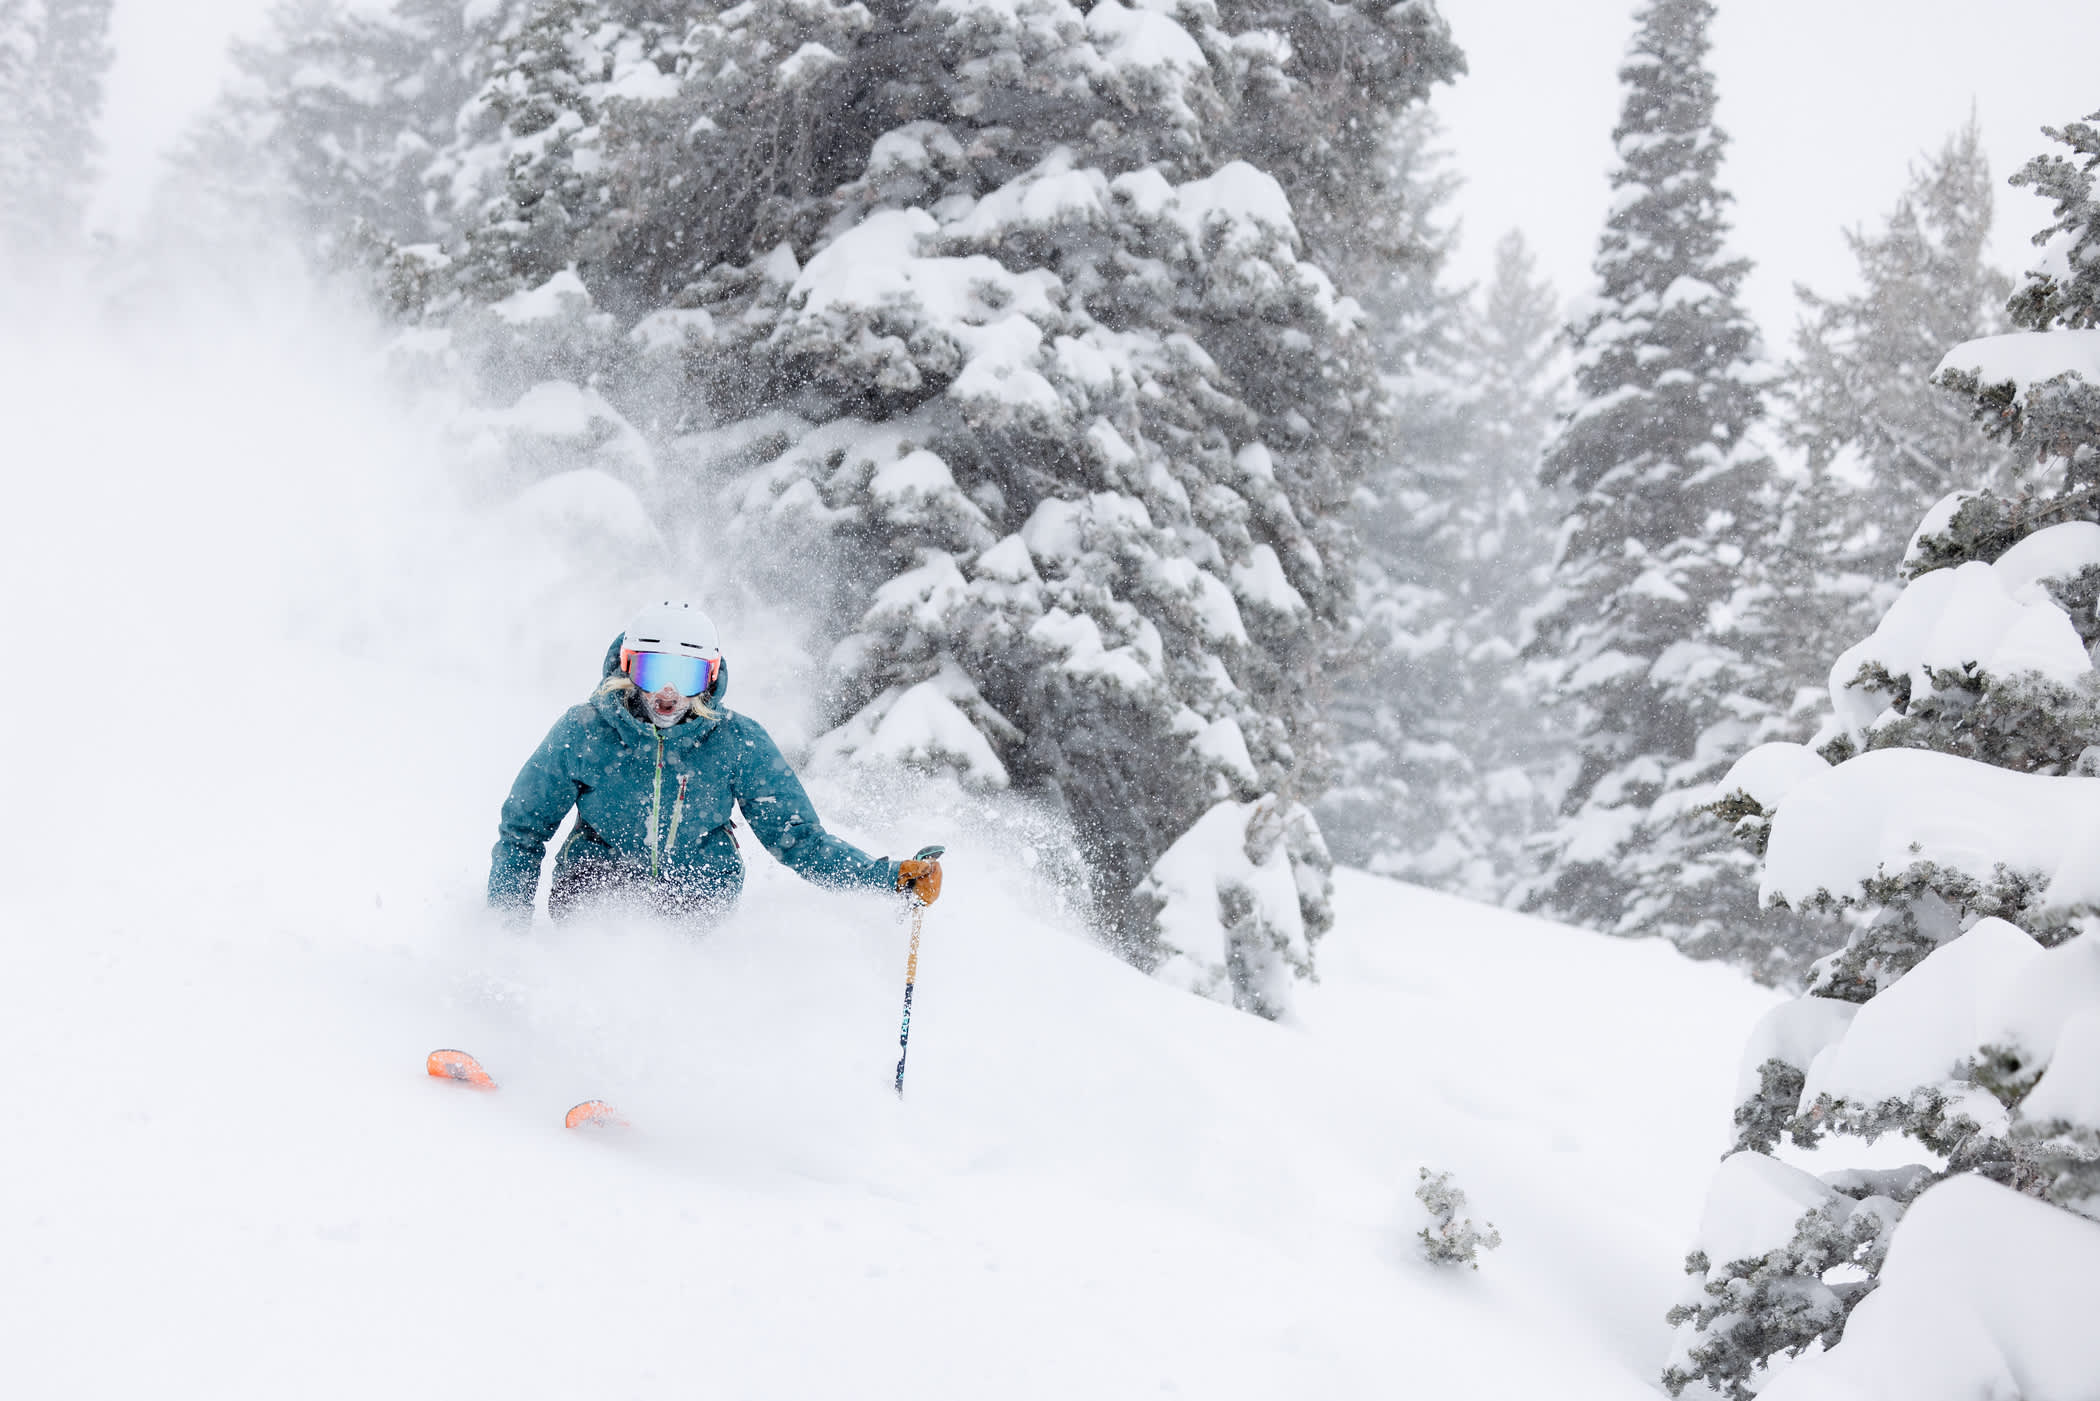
point(1769, 772)
point(1690, 291)
point(2070, 1092)
point(1244, 197)
point(1935, 521)
point(1606, 667)
point(1887, 810)
point(911, 147)
point(562, 295)
point(1001, 371)
point(1752, 1205)
point(1043, 198)
point(2059, 552)
point(1078, 637)
point(1918, 1030)
point(925, 594)
point(806, 62)
point(1793, 1033)
point(673, 327)
point(2035, 1011)
point(1262, 582)
point(878, 261)
point(1054, 530)
point(1089, 366)
point(1249, 202)
point(1007, 562)
point(921, 726)
point(1972, 618)
point(780, 265)
point(916, 471)
point(1217, 612)
point(2024, 359)
point(643, 82)
point(1222, 741)
point(1142, 38)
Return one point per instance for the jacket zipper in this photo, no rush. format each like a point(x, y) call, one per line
point(677, 816)
point(656, 807)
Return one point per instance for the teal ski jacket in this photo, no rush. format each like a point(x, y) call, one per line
point(657, 803)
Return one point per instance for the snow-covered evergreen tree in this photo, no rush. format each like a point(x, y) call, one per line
point(2036, 392)
point(1654, 652)
point(336, 114)
point(1881, 443)
point(526, 176)
point(1946, 811)
point(1960, 1011)
point(1516, 365)
point(1384, 802)
point(1416, 316)
point(1444, 766)
point(1858, 386)
point(1055, 428)
point(2038, 388)
point(1519, 751)
point(2063, 289)
point(1451, 1239)
point(963, 326)
point(54, 57)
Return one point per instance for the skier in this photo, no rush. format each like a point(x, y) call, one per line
point(655, 767)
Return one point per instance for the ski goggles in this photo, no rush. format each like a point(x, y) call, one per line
point(689, 676)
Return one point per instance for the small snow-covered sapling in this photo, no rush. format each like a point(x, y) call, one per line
point(1450, 1240)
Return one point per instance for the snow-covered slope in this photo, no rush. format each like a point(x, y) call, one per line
point(234, 1163)
point(258, 724)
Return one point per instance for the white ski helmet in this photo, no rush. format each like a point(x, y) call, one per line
point(678, 628)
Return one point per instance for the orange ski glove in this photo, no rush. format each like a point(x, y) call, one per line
point(920, 879)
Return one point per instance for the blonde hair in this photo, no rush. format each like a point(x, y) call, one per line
point(620, 681)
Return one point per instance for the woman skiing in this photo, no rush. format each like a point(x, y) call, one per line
point(655, 767)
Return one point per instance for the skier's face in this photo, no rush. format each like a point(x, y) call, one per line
point(665, 707)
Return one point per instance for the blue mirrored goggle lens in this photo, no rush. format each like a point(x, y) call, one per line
point(689, 676)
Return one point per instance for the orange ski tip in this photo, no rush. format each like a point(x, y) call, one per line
point(594, 1113)
point(458, 1065)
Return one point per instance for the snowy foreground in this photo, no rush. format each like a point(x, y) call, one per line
point(240, 1182)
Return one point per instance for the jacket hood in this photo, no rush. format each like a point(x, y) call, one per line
point(612, 665)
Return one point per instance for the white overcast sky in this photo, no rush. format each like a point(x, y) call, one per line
point(1827, 101)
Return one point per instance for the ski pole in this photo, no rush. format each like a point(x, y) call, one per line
point(911, 967)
